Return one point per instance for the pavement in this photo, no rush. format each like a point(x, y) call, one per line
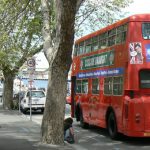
point(19, 133)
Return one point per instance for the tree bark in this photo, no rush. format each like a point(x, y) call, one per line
point(8, 90)
point(59, 58)
point(52, 124)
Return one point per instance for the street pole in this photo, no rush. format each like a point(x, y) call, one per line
point(30, 99)
point(31, 68)
point(20, 95)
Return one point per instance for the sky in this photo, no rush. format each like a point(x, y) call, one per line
point(137, 7)
point(41, 61)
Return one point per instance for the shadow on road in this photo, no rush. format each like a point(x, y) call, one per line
point(125, 140)
point(34, 113)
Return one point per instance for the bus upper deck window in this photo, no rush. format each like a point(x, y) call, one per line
point(146, 30)
point(76, 50)
point(81, 48)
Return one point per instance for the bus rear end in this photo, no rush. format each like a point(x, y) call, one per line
point(136, 113)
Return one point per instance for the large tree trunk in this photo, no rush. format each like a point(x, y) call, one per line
point(8, 90)
point(52, 125)
point(59, 58)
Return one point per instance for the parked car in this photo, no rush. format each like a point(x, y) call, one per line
point(38, 98)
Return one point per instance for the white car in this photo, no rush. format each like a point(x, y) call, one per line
point(38, 98)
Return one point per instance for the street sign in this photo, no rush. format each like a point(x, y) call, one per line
point(31, 62)
point(31, 65)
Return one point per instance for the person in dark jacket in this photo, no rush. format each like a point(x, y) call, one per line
point(68, 130)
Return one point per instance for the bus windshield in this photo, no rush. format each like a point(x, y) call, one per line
point(146, 30)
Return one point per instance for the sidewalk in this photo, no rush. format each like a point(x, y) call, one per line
point(19, 133)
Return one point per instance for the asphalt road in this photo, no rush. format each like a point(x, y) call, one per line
point(98, 139)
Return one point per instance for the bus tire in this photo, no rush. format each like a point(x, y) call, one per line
point(112, 126)
point(82, 123)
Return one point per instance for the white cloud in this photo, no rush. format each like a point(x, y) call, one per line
point(139, 7)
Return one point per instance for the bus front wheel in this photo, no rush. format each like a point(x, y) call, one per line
point(112, 126)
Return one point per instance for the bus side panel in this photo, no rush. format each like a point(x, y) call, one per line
point(97, 111)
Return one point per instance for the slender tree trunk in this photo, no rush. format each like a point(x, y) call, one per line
point(8, 91)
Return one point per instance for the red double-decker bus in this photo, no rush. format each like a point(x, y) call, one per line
point(111, 78)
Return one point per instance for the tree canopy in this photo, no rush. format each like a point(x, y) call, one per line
point(95, 14)
point(21, 38)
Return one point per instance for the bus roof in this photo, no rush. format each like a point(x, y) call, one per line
point(137, 17)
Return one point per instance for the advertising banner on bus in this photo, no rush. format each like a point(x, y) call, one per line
point(98, 73)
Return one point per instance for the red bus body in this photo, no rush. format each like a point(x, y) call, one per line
point(121, 90)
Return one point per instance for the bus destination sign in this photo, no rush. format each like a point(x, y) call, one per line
point(97, 60)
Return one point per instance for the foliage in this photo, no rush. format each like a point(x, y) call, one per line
point(20, 25)
point(95, 14)
point(20, 36)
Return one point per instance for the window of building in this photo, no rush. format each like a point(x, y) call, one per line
point(146, 30)
point(84, 86)
point(117, 85)
point(78, 86)
point(108, 86)
point(95, 86)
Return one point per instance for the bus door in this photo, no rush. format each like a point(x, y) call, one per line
point(94, 101)
point(81, 97)
point(73, 93)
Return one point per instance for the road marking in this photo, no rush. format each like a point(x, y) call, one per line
point(79, 147)
point(24, 129)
